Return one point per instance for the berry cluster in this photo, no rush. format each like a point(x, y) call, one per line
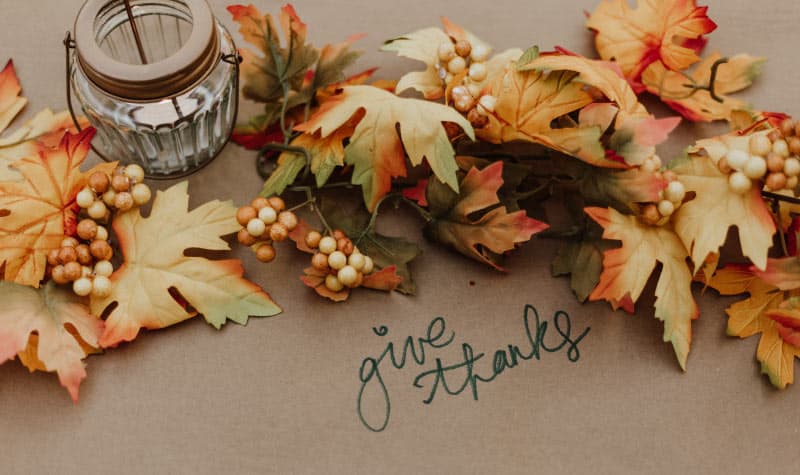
point(336, 255)
point(670, 199)
point(87, 265)
point(462, 66)
point(264, 221)
point(121, 191)
point(771, 158)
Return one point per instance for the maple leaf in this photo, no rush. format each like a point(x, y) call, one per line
point(377, 149)
point(482, 238)
point(44, 129)
point(528, 102)
point(677, 91)
point(62, 326)
point(36, 212)
point(627, 269)
point(787, 321)
point(155, 266)
point(703, 222)
point(670, 31)
point(583, 262)
point(751, 316)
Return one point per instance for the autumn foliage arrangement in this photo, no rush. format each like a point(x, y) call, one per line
point(478, 143)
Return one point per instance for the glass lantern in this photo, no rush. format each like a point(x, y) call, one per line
point(158, 79)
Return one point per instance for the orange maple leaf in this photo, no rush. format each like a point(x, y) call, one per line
point(37, 212)
point(670, 31)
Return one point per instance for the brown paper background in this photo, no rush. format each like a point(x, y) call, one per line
point(279, 394)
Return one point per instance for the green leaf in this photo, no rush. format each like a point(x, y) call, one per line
point(583, 262)
point(290, 164)
point(529, 55)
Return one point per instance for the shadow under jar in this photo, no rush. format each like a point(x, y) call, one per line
point(152, 77)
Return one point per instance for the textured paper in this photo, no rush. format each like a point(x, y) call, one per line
point(280, 395)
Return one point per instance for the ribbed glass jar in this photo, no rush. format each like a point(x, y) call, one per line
point(166, 100)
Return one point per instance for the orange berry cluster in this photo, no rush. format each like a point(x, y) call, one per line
point(121, 191)
point(462, 58)
point(670, 199)
point(87, 265)
point(265, 221)
point(345, 264)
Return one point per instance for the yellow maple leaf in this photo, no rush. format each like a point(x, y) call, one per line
point(750, 317)
point(155, 267)
point(677, 91)
point(36, 212)
point(627, 269)
point(663, 30)
point(703, 222)
point(377, 149)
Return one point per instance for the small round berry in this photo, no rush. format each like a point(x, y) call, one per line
point(477, 72)
point(760, 145)
point(794, 145)
point(737, 158)
point(312, 239)
point(359, 280)
point(347, 275)
point(288, 219)
point(120, 183)
point(245, 238)
point(245, 214)
point(476, 119)
point(86, 271)
point(141, 194)
point(774, 135)
point(101, 250)
point(791, 183)
point(82, 287)
point(267, 214)
point(123, 201)
point(69, 241)
point(356, 260)
point(87, 229)
point(723, 166)
point(319, 261)
point(98, 181)
point(265, 252)
point(337, 260)
point(446, 51)
point(666, 208)
point(369, 264)
point(83, 253)
point(459, 92)
point(109, 197)
point(464, 103)
point(72, 271)
point(775, 181)
point(755, 168)
point(338, 234)
point(52, 257)
point(67, 254)
point(277, 203)
point(463, 48)
point(85, 198)
point(134, 172)
point(58, 274)
point(479, 53)
point(104, 268)
point(781, 148)
point(118, 171)
point(278, 232)
point(332, 283)
point(787, 127)
point(97, 210)
point(791, 167)
point(675, 191)
point(101, 286)
point(256, 227)
point(775, 162)
point(456, 65)
point(649, 166)
point(259, 202)
point(739, 182)
point(345, 245)
point(102, 233)
point(448, 78)
point(474, 90)
point(327, 244)
point(487, 103)
point(650, 214)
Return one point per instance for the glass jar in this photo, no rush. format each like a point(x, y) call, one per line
point(158, 79)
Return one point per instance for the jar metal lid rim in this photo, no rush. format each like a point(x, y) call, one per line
point(163, 78)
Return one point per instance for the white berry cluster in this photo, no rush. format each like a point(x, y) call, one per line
point(123, 190)
point(670, 199)
point(461, 59)
point(265, 221)
point(345, 264)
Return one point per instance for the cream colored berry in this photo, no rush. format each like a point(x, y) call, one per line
point(267, 214)
point(446, 51)
point(474, 90)
point(739, 182)
point(737, 159)
point(86, 271)
point(327, 245)
point(256, 227)
point(82, 287)
point(456, 65)
point(85, 198)
point(356, 260)
point(101, 286)
point(332, 283)
point(369, 265)
point(760, 145)
point(347, 275)
point(666, 207)
point(791, 167)
point(755, 168)
point(102, 234)
point(337, 260)
point(675, 191)
point(109, 197)
point(479, 53)
point(141, 194)
point(487, 103)
point(134, 172)
point(103, 268)
point(791, 183)
point(477, 72)
point(97, 210)
point(781, 148)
